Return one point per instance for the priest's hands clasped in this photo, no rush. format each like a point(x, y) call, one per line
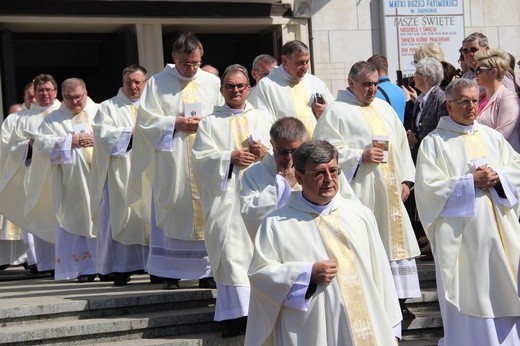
point(485, 177)
point(82, 140)
point(324, 271)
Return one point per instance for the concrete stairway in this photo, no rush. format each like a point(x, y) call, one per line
point(40, 311)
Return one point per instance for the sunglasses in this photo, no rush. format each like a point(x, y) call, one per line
point(481, 69)
point(472, 50)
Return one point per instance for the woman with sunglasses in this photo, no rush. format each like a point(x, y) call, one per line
point(501, 107)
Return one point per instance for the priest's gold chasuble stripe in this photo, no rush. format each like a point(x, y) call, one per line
point(190, 94)
point(338, 247)
point(392, 187)
point(302, 110)
point(240, 127)
point(476, 149)
point(82, 118)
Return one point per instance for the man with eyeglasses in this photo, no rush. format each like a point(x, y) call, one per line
point(231, 139)
point(289, 91)
point(121, 237)
point(468, 179)
point(319, 273)
point(472, 44)
point(59, 178)
point(376, 159)
point(16, 156)
point(267, 186)
point(162, 187)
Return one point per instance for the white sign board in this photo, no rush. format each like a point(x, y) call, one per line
point(411, 24)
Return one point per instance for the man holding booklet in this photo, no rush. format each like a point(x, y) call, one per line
point(375, 157)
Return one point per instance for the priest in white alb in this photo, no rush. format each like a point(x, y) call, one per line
point(468, 179)
point(231, 139)
point(289, 91)
point(319, 274)
point(16, 165)
point(122, 244)
point(375, 156)
point(161, 177)
point(60, 175)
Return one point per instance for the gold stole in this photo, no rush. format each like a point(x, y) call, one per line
point(82, 118)
point(133, 109)
point(338, 247)
point(190, 94)
point(476, 149)
point(302, 110)
point(13, 232)
point(240, 127)
point(392, 184)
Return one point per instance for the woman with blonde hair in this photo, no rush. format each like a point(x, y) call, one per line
point(501, 108)
point(432, 50)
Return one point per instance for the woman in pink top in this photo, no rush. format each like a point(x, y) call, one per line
point(502, 110)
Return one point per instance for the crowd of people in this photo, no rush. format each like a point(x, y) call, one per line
point(305, 211)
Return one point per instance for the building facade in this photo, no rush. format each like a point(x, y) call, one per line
point(96, 39)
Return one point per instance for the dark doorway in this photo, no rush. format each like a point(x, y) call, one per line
point(222, 50)
point(96, 58)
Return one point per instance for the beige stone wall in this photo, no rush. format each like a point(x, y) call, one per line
point(346, 31)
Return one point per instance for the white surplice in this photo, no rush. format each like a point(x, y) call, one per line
point(345, 127)
point(120, 231)
point(61, 174)
point(161, 168)
point(286, 245)
point(474, 233)
point(227, 241)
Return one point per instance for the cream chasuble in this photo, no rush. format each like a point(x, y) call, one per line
point(478, 252)
point(359, 306)
point(12, 190)
point(113, 123)
point(67, 183)
point(227, 241)
point(281, 96)
point(177, 210)
point(351, 128)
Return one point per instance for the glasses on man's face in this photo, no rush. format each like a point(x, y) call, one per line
point(322, 173)
point(190, 64)
point(45, 91)
point(239, 86)
point(481, 69)
point(466, 102)
point(472, 50)
point(74, 98)
point(283, 152)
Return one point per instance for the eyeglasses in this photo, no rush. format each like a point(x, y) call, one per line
point(472, 50)
point(190, 64)
point(466, 102)
point(239, 86)
point(43, 91)
point(283, 152)
point(482, 68)
point(73, 98)
point(370, 84)
point(322, 173)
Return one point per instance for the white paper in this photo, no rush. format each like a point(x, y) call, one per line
point(192, 109)
point(381, 142)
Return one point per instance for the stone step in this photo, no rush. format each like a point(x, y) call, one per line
point(85, 331)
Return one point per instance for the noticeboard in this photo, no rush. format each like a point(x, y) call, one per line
point(411, 24)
